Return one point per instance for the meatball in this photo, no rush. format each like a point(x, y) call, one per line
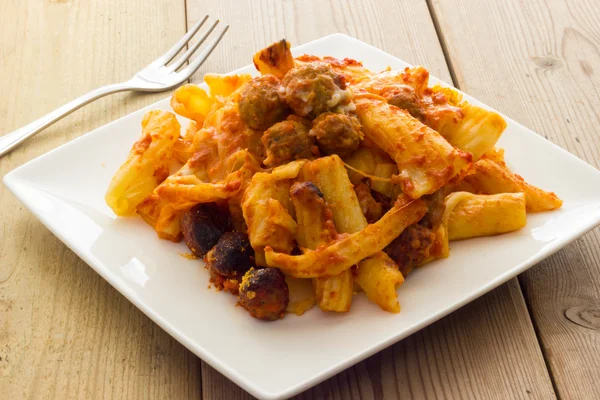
point(371, 209)
point(203, 225)
point(260, 105)
point(314, 88)
point(264, 293)
point(411, 248)
point(386, 202)
point(406, 98)
point(336, 133)
point(232, 256)
point(286, 141)
point(435, 209)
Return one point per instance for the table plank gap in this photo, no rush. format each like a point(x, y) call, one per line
point(443, 44)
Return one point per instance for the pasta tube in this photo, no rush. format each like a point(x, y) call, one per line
point(334, 293)
point(362, 159)
point(330, 176)
point(191, 101)
point(348, 250)
point(426, 161)
point(165, 220)
point(184, 146)
point(474, 129)
point(267, 209)
point(385, 170)
point(416, 78)
point(316, 228)
point(493, 176)
point(379, 277)
point(147, 164)
point(225, 85)
point(484, 215)
point(276, 59)
point(348, 218)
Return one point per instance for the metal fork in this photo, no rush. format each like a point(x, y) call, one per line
point(156, 77)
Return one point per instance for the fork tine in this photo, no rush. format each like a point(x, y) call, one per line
point(198, 61)
point(168, 56)
point(192, 49)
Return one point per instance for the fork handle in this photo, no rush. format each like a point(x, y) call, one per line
point(13, 139)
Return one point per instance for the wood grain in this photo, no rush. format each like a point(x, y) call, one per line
point(547, 56)
point(64, 332)
point(487, 349)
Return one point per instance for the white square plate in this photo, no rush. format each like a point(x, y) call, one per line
point(65, 190)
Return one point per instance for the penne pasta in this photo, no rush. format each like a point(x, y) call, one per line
point(467, 127)
point(191, 101)
point(410, 80)
point(222, 86)
point(184, 189)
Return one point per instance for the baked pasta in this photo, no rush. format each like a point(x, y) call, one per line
point(320, 170)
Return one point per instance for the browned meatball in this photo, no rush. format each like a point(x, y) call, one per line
point(314, 88)
point(336, 133)
point(229, 260)
point(435, 209)
point(286, 141)
point(264, 293)
point(232, 256)
point(369, 206)
point(406, 98)
point(203, 225)
point(411, 248)
point(260, 105)
point(386, 202)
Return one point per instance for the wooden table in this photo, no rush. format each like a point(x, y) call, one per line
point(66, 333)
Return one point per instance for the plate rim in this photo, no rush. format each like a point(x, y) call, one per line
point(12, 182)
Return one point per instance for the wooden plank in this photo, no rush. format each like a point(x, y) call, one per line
point(546, 55)
point(64, 332)
point(487, 349)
